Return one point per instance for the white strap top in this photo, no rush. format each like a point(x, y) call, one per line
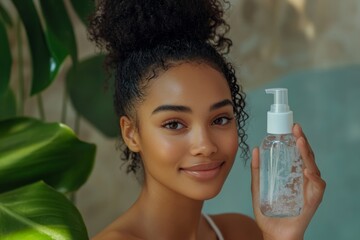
point(214, 227)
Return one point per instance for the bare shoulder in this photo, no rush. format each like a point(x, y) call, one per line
point(114, 235)
point(117, 230)
point(237, 226)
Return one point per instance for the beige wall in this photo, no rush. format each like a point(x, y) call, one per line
point(273, 37)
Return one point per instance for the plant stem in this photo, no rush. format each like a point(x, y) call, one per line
point(41, 107)
point(20, 69)
point(77, 124)
point(64, 104)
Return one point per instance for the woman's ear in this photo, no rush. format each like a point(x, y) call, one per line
point(129, 134)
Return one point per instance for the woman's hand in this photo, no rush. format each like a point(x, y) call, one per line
point(290, 228)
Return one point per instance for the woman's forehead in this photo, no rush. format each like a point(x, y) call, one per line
point(188, 84)
point(188, 76)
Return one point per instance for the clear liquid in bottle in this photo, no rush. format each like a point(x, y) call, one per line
point(281, 176)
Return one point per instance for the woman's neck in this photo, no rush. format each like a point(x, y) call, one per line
point(165, 214)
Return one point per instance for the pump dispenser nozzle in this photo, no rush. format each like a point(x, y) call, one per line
point(279, 118)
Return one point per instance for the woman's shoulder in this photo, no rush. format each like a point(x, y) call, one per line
point(114, 235)
point(237, 226)
point(118, 230)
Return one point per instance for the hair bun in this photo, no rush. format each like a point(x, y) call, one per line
point(122, 26)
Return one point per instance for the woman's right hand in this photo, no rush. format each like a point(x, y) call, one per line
point(290, 228)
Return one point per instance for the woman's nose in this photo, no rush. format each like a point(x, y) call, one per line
point(202, 144)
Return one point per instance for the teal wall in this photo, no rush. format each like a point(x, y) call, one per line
point(327, 105)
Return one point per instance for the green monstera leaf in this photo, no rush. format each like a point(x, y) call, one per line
point(31, 150)
point(59, 32)
point(85, 83)
point(38, 212)
point(44, 66)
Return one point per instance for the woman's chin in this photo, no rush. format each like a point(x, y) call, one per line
point(205, 193)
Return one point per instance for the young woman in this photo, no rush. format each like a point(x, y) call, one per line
point(181, 114)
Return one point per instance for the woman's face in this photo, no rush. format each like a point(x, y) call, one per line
point(187, 134)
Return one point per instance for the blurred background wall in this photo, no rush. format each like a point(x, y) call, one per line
point(309, 46)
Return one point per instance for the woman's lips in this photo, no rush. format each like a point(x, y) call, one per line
point(204, 171)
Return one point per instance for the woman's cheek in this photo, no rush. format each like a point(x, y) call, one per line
point(230, 143)
point(169, 148)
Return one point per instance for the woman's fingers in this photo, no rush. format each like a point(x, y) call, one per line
point(255, 180)
point(307, 156)
point(298, 133)
point(315, 185)
point(314, 192)
point(318, 184)
point(306, 152)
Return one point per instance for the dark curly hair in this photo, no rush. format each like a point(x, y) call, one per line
point(144, 38)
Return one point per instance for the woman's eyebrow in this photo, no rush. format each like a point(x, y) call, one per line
point(180, 108)
point(221, 104)
point(175, 108)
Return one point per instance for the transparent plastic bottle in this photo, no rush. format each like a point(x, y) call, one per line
point(281, 176)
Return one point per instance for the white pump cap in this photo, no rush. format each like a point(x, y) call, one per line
point(279, 118)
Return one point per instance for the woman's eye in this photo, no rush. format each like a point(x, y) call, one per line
point(222, 121)
point(174, 125)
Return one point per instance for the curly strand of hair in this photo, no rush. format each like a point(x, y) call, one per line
point(219, 28)
point(241, 115)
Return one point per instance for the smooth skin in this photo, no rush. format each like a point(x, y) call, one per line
point(187, 120)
